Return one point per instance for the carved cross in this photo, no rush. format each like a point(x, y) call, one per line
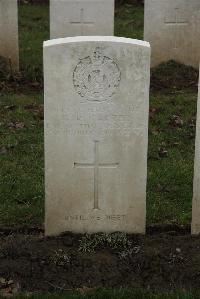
point(96, 165)
point(81, 22)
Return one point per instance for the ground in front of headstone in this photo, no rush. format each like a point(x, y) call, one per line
point(160, 260)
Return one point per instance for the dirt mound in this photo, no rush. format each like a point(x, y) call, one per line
point(174, 76)
point(167, 260)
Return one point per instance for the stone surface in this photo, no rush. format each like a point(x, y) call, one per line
point(96, 134)
point(9, 32)
point(81, 17)
point(173, 29)
point(196, 183)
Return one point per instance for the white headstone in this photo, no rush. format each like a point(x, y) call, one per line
point(81, 17)
point(96, 134)
point(196, 183)
point(173, 29)
point(9, 32)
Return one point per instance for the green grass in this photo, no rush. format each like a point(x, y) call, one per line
point(33, 30)
point(171, 134)
point(21, 160)
point(129, 22)
point(114, 294)
point(170, 175)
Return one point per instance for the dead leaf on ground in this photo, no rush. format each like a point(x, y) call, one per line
point(192, 123)
point(34, 107)
point(152, 112)
point(162, 152)
point(176, 143)
point(155, 132)
point(30, 107)
point(176, 121)
point(38, 110)
point(11, 107)
point(8, 288)
point(35, 84)
point(3, 151)
point(161, 188)
point(2, 281)
point(84, 290)
point(16, 125)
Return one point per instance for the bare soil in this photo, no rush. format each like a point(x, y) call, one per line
point(166, 258)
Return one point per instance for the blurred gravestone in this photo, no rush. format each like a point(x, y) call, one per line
point(173, 29)
point(9, 32)
point(81, 17)
point(96, 134)
point(196, 183)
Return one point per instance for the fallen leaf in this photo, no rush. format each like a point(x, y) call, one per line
point(162, 152)
point(8, 288)
point(2, 280)
point(11, 107)
point(16, 125)
point(192, 123)
point(35, 84)
point(7, 292)
point(3, 151)
point(30, 107)
point(84, 290)
point(176, 121)
point(152, 112)
point(38, 110)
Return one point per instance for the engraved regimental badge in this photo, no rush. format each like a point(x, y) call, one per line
point(96, 78)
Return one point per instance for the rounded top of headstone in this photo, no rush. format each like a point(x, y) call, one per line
point(112, 39)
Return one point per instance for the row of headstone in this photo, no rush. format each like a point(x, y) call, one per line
point(173, 29)
point(81, 18)
point(67, 18)
point(171, 26)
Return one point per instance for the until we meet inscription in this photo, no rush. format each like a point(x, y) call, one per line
point(95, 218)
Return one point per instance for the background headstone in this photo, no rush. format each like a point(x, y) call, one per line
point(9, 47)
point(81, 17)
point(173, 29)
point(96, 134)
point(196, 183)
